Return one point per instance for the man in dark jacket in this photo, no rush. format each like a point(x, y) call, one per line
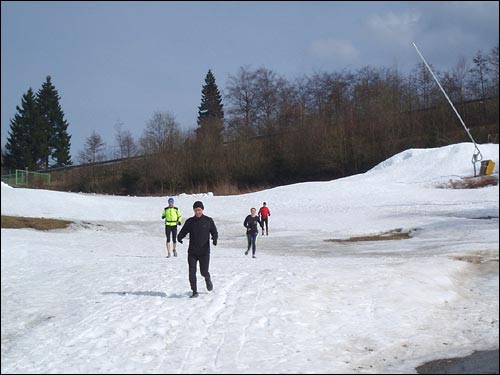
point(199, 227)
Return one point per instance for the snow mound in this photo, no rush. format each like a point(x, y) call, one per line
point(441, 163)
point(5, 186)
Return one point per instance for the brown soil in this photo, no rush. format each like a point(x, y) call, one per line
point(39, 223)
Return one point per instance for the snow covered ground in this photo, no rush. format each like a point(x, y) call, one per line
point(100, 296)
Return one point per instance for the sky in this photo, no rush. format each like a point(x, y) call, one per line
point(120, 62)
point(101, 297)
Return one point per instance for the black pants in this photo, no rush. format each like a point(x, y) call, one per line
point(252, 239)
point(265, 221)
point(171, 229)
point(204, 262)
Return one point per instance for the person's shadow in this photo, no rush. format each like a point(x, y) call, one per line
point(149, 294)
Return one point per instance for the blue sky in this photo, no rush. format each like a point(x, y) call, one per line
point(122, 61)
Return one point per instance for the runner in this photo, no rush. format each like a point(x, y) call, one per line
point(264, 214)
point(250, 223)
point(172, 217)
point(199, 227)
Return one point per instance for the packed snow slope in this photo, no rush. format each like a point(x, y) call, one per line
point(100, 296)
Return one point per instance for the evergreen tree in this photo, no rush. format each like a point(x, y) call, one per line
point(208, 155)
point(22, 147)
point(210, 112)
point(55, 141)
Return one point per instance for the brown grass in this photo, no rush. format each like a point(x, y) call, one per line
point(475, 259)
point(39, 223)
point(470, 182)
point(227, 188)
point(386, 236)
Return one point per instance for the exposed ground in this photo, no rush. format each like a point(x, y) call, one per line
point(39, 223)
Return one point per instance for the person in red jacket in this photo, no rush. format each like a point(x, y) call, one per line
point(264, 214)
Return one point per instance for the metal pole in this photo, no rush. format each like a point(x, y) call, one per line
point(476, 154)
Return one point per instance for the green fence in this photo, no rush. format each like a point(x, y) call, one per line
point(26, 178)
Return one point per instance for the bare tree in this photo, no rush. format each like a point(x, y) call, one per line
point(460, 75)
point(161, 143)
point(94, 149)
point(161, 134)
point(327, 95)
point(428, 91)
point(126, 146)
point(493, 60)
point(268, 87)
point(480, 72)
point(242, 103)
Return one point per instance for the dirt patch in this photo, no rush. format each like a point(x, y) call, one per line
point(470, 182)
point(474, 259)
point(39, 223)
point(396, 234)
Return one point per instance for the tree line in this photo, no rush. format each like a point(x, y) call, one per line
point(273, 130)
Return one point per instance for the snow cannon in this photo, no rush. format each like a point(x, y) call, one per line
point(487, 167)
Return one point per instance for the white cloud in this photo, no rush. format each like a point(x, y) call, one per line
point(392, 27)
point(340, 51)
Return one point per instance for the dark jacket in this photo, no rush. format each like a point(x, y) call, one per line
point(251, 224)
point(199, 230)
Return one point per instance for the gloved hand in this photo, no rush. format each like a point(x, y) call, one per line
point(214, 242)
point(179, 240)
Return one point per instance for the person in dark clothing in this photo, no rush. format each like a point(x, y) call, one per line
point(199, 227)
point(264, 214)
point(250, 223)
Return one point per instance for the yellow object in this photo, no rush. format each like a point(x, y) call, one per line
point(172, 216)
point(487, 167)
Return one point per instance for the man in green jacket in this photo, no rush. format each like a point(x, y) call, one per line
point(172, 217)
